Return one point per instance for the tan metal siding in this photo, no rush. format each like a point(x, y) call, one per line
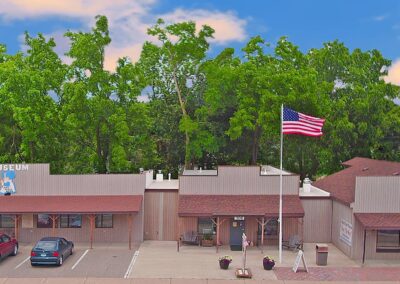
point(317, 220)
point(370, 249)
point(238, 180)
point(290, 227)
point(187, 224)
point(37, 181)
point(377, 194)
point(340, 212)
point(119, 232)
point(225, 232)
point(161, 215)
point(251, 229)
point(170, 216)
point(151, 215)
point(358, 240)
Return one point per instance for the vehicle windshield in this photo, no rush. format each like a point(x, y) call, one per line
point(46, 245)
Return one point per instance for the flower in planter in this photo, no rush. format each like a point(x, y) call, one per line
point(207, 237)
point(224, 261)
point(268, 262)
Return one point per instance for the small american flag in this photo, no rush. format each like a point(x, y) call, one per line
point(294, 122)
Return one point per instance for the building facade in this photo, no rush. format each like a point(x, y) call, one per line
point(357, 209)
point(81, 208)
point(365, 202)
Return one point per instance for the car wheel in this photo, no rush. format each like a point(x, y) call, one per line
point(60, 261)
point(72, 251)
point(15, 251)
point(33, 264)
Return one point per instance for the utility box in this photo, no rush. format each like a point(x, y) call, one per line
point(321, 251)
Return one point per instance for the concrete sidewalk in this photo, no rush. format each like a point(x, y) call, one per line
point(160, 259)
point(165, 281)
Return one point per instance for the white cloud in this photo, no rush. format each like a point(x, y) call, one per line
point(228, 27)
point(380, 18)
point(394, 73)
point(128, 21)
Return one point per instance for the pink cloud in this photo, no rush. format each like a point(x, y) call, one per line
point(394, 73)
point(128, 22)
point(228, 27)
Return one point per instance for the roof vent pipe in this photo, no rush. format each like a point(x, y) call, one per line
point(169, 176)
point(159, 176)
point(307, 185)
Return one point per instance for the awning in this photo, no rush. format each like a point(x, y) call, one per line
point(239, 205)
point(379, 221)
point(84, 204)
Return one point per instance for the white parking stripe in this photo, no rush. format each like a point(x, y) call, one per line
point(82, 256)
point(130, 267)
point(19, 265)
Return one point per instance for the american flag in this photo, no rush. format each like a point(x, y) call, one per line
point(294, 122)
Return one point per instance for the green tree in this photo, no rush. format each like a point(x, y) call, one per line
point(172, 69)
point(29, 94)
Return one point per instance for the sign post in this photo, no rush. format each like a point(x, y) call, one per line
point(300, 257)
point(244, 272)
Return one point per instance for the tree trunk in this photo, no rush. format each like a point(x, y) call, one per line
point(101, 162)
point(187, 150)
point(32, 150)
point(184, 114)
point(254, 152)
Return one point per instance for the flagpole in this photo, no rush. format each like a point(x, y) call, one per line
point(280, 193)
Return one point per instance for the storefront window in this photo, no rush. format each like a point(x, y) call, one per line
point(44, 221)
point(388, 240)
point(71, 221)
point(6, 221)
point(271, 228)
point(206, 226)
point(104, 221)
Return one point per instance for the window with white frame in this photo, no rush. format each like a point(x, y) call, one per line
point(388, 241)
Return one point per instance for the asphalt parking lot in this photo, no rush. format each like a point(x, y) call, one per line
point(102, 261)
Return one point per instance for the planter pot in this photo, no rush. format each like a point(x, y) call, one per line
point(268, 266)
point(207, 243)
point(224, 264)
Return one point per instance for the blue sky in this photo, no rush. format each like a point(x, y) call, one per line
point(364, 24)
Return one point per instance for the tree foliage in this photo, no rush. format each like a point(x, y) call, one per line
point(198, 110)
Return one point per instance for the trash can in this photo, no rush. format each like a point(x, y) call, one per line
point(321, 251)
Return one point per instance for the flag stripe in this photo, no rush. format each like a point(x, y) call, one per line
point(303, 132)
point(298, 123)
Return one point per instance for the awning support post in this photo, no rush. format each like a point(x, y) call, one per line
point(217, 244)
point(91, 220)
point(16, 228)
point(130, 220)
point(262, 233)
point(263, 223)
point(53, 218)
point(218, 223)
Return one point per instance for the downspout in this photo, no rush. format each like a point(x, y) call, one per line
point(365, 235)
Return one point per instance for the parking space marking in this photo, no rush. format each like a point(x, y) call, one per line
point(79, 260)
point(25, 260)
point(130, 267)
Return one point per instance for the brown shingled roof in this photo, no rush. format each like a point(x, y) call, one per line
point(70, 204)
point(379, 221)
point(239, 205)
point(342, 184)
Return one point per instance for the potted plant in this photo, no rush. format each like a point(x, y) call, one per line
point(207, 240)
point(268, 263)
point(224, 261)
